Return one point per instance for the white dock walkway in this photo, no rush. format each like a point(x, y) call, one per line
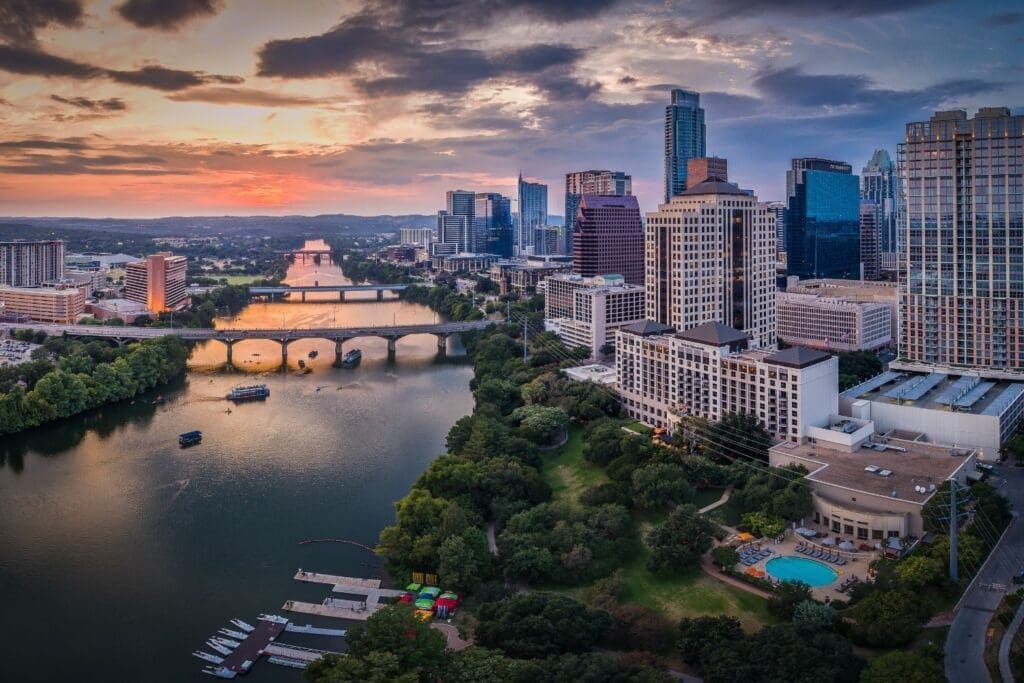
point(316, 577)
point(330, 610)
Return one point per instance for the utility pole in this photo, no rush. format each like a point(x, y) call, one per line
point(526, 332)
point(953, 529)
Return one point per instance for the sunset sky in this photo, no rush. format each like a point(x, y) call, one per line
point(142, 108)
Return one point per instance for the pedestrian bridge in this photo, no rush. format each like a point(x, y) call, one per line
point(230, 337)
point(282, 290)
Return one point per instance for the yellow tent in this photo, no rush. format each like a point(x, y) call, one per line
point(744, 536)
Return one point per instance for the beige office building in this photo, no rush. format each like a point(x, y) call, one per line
point(159, 282)
point(43, 304)
point(710, 257)
point(588, 311)
point(832, 324)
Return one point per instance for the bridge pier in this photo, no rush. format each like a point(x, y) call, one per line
point(284, 353)
point(341, 295)
point(380, 295)
point(442, 345)
point(230, 344)
point(303, 296)
point(391, 348)
point(337, 351)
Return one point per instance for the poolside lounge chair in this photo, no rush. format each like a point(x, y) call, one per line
point(840, 562)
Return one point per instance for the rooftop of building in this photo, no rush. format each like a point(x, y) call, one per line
point(833, 299)
point(841, 288)
point(797, 357)
point(950, 392)
point(54, 291)
point(713, 333)
point(121, 305)
point(601, 201)
point(609, 282)
point(713, 185)
point(892, 472)
point(647, 328)
point(602, 374)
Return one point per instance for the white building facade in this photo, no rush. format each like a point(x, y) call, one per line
point(831, 323)
point(588, 311)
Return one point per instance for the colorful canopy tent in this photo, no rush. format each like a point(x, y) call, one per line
point(406, 598)
point(744, 536)
point(430, 592)
point(448, 595)
point(425, 603)
point(423, 614)
point(414, 587)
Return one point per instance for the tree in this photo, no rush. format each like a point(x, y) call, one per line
point(638, 628)
point(540, 424)
point(725, 556)
point(785, 598)
point(602, 442)
point(764, 524)
point(496, 397)
point(887, 618)
point(1015, 447)
point(680, 542)
point(375, 667)
point(802, 654)
point(658, 485)
point(737, 436)
point(540, 624)
point(856, 367)
point(464, 560)
point(481, 664)
point(793, 502)
point(814, 614)
point(702, 636)
point(919, 570)
point(905, 667)
point(395, 630)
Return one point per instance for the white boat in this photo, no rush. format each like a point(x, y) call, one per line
point(219, 672)
point(226, 642)
point(217, 647)
point(242, 625)
point(206, 656)
point(274, 618)
point(233, 634)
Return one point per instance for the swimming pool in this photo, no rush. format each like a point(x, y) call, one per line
point(812, 573)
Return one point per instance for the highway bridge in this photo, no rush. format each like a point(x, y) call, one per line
point(230, 337)
point(282, 290)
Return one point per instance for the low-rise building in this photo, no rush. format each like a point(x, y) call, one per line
point(61, 305)
point(596, 373)
point(853, 291)
point(470, 263)
point(832, 323)
point(121, 309)
point(960, 409)
point(709, 371)
point(868, 487)
point(523, 276)
point(588, 311)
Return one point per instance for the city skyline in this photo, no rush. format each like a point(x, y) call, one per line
point(209, 108)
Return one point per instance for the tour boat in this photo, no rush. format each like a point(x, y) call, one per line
point(190, 438)
point(254, 392)
point(352, 358)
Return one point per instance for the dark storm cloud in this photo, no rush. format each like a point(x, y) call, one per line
point(41, 143)
point(112, 104)
point(20, 19)
point(395, 48)
point(166, 15)
point(247, 96)
point(32, 62)
point(724, 9)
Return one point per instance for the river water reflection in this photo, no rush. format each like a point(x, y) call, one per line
point(120, 553)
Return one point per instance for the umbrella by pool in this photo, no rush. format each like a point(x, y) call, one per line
point(846, 545)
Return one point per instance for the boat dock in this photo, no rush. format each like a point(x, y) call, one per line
point(246, 654)
point(301, 654)
point(309, 629)
point(316, 577)
point(339, 608)
point(328, 608)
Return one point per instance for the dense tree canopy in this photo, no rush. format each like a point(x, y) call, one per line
point(680, 542)
point(540, 624)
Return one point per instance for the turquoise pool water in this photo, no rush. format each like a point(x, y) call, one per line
point(812, 573)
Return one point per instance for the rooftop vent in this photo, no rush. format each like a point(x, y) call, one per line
point(872, 469)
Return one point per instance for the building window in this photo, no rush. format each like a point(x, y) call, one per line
point(848, 529)
point(817, 518)
point(876, 534)
point(894, 534)
point(835, 526)
point(862, 534)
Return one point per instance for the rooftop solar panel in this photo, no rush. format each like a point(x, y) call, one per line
point(914, 389)
point(974, 395)
point(1004, 400)
point(957, 389)
point(872, 384)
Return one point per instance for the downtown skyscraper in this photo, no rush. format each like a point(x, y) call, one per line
point(608, 238)
point(685, 139)
point(456, 224)
point(493, 221)
point(579, 183)
point(822, 219)
point(879, 183)
point(961, 257)
point(533, 216)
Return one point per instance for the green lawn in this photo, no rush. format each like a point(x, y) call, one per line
point(567, 473)
point(639, 428)
point(239, 279)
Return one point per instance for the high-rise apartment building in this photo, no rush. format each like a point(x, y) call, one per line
point(962, 242)
point(579, 183)
point(31, 263)
point(822, 219)
point(608, 238)
point(879, 183)
point(159, 282)
point(421, 237)
point(778, 210)
point(533, 214)
point(455, 234)
point(685, 138)
point(710, 257)
point(493, 217)
point(700, 169)
point(871, 218)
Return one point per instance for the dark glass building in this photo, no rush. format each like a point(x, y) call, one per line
point(608, 238)
point(822, 219)
point(493, 216)
point(685, 139)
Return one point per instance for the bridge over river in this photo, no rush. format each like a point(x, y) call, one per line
point(282, 290)
point(230, 337)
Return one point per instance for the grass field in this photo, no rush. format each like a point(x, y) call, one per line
point(675, 596)
point(239, 279)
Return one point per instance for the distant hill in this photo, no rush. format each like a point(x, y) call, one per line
point(197, 226)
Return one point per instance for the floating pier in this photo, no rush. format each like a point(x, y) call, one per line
point(309, 629)
point(245, 655)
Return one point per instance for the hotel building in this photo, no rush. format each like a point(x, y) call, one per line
point(159, 282)
point(43, 304)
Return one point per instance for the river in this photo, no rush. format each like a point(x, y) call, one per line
point(120, 553)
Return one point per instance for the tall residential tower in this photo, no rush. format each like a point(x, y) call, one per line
point(685, 138)
point(879, 183)
point(961, 261)
point(533, 215)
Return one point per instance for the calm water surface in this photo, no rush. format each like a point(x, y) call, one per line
point(120, 553)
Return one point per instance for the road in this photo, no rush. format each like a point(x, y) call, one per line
point(965, 644)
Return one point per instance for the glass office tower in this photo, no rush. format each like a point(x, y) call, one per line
point(961, 262)
point(822, 219)
point(685, 138)
point(533, 215)
point(493, 216)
